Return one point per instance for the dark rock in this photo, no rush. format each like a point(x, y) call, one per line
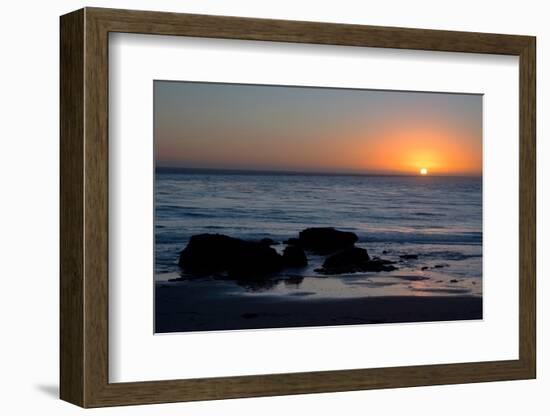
point(268, 241)
point(385, 252)
point(409, 256)
point(352, 260)
point(453, 281)
point(294, 256)
point(210, 253)
point(424, 268)
point(292, 242)
point(354, 255)
point(325, 240)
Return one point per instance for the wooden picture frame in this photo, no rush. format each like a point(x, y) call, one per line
point(84, 207)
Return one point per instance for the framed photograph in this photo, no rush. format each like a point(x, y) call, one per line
point(255, 207)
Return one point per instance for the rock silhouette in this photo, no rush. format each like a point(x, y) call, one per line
point(210, 253)
point(243, 260)
point(325, 240)
point(294, 256)
point(352, 260)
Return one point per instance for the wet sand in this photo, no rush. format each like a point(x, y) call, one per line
point(192, 306)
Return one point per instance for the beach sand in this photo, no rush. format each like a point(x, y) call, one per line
point(195, 306)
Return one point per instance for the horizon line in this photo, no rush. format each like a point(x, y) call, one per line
point(306, 172)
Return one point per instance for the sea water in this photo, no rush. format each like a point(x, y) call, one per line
point(437, 218)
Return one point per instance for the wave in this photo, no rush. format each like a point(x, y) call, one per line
point(364, 237)
point(422, 238)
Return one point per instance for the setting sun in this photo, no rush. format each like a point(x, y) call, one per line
point(423, 171)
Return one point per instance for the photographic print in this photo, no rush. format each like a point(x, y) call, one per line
point(289, 206)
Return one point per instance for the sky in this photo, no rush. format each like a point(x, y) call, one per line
point(261, 127)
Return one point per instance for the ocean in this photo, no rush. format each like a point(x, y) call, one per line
point(437, 218)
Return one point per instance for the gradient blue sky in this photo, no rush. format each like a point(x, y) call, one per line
point(238, 126)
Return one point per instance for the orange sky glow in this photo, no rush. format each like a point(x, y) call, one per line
point(233, 126)
point(438, 150)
